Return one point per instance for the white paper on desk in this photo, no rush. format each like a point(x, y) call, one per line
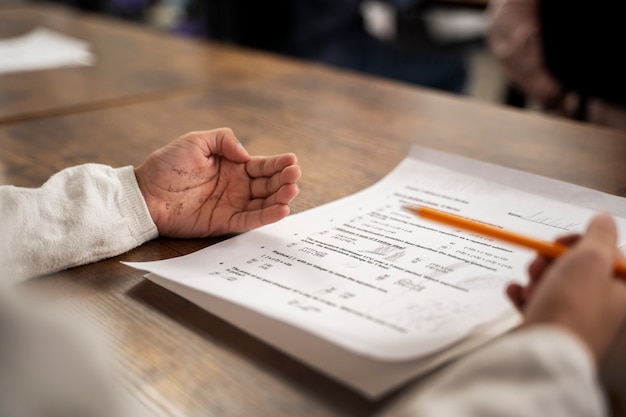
point(42, 49)
point(386, 295)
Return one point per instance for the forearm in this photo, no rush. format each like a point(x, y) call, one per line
point(80, 215)
point(540, 371)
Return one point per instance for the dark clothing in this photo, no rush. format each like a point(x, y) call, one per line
point(582, 43)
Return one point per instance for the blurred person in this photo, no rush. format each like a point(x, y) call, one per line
point(565, 56)
point(331, 32)
point(334, 32)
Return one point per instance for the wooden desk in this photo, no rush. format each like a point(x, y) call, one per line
point(133, 64)
point(348, 132)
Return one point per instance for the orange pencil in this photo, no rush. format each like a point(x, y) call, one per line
point(552, 250)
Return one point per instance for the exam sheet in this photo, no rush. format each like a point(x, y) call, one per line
point(370, 278)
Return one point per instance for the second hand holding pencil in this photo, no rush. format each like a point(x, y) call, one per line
point(552, 250)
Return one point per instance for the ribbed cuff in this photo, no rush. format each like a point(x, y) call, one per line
point(133, 207)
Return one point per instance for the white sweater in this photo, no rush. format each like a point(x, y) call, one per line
point(90, 212)
point(80, 215)
point(540, 371)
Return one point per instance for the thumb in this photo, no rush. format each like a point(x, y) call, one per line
point(227, 145)
point(602, 232)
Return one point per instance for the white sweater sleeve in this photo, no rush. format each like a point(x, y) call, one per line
point(541, 371)
point(80, 215)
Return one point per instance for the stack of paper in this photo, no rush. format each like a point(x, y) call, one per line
point(372, 295)
point(42, 49)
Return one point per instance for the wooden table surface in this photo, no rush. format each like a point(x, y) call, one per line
point(133, 64)
point(348, 132)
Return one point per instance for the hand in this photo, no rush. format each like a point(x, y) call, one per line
point(578, 291)
point(205, 184)
point(514, 38)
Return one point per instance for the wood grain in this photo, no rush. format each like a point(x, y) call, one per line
point(133, 63)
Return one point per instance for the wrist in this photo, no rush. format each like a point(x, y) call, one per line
point(148, 199)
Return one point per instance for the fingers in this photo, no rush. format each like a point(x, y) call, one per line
point(579, 291)
point(269, 174)
point(601, 235)
point(594, 254)
point(515, 292)
point(284, 195)
point(541, 262)
point(602, 231)
point(266, 166)
point(538, 267)
point(265, 187)
point(262, 211)
point(252, 219)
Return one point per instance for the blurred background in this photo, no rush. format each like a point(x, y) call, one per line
point(432, 43)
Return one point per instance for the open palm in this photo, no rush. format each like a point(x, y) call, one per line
point(206, 184)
